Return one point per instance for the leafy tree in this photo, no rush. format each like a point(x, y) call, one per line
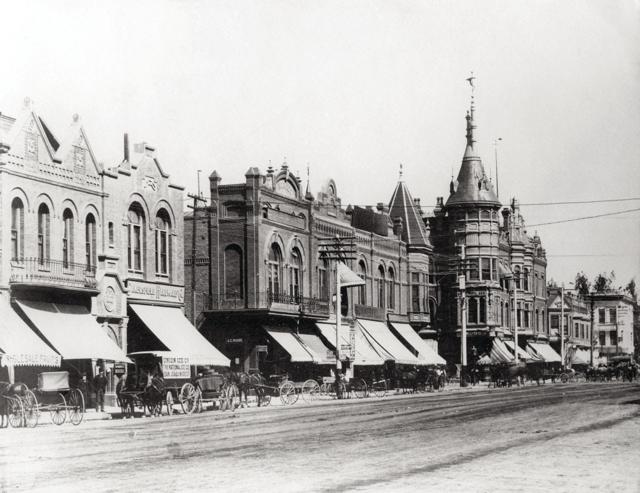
point(631, 289)
point(582, 284)
point(603, 282)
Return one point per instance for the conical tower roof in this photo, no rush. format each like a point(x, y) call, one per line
point(414, 232)
point(472, 186)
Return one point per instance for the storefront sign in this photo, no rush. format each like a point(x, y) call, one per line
point(155, 292)
point(352, 340)
point(119, 368)
point(175, 367)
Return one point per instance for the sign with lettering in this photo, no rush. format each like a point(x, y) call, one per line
point(119, 368)
point(352, 340)
point(175, 367)
point(155, 292)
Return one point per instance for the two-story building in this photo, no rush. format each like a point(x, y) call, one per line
point(264, 262)
point(613, 323)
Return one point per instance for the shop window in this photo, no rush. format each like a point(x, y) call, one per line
point(17, 229)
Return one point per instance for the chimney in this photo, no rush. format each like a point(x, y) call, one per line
point(505, 215)
point(398, 226)
point(126, 147)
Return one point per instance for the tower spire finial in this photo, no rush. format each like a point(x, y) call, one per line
point(470, 124)
point(400, 173)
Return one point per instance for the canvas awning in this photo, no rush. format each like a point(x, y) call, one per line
point(581, 357)
point(291, 344)
point(543, 351)
point(321, 353)
point(19, 345)
point(378, 333)
point(522, 354)
point(72, 331)
point(500, 353)
point(347, 277)
point(426, 354)
point(178, 335)
point(365, 354)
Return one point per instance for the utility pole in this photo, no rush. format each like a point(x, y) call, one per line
point(196, 198)
point(463, 311)
point(334, 249)
point(591, 304)
point(562, 325)
point(515, 315)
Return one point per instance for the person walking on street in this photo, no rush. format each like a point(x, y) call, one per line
point(100, 386)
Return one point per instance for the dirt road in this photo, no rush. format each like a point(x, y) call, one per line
point(555, 437)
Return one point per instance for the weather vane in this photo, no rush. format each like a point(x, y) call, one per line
point(400, 171)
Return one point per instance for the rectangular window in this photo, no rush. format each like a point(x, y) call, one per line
point(612, 316)
point(555, 322)
point(483, 311)
point(576, 330)
point(601, 315)
point(415, 298)
point(137, 248)
point(614, 338)
point(602, 336)
point(486, 269)
point(494, 269)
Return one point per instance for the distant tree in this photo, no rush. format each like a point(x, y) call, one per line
point(631, 289)
point(582, 284)
point(603, 282)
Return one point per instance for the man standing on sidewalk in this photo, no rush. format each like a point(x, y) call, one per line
point(100, 386)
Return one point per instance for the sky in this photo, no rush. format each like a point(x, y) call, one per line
point(351, 89)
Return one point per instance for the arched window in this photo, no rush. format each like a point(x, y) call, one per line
point(17, 229)
point(67, 238)
point(537, 321)
point(135, 238)
point(391, 288)
point(163, 243)
point(233, 275)
point(525, 279)
point(362, 289)
point(274, 264)
point(473, 311)
point(323, 279)
point(90, 242)
point(380, 285)
point(44, 234)
point(295, 275)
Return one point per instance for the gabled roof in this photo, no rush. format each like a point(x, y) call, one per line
point(75, 137)
point(401, 205)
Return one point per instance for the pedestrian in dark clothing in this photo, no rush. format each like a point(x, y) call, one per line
point(100, 386)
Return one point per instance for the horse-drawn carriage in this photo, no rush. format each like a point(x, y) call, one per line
point(166, 381)
point(53, 395)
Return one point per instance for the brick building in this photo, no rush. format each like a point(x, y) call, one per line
point(504, 267)
point(81, 247)
point(261, 271)
point(577, 325)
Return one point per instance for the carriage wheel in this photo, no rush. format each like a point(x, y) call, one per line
point(76, 406)
point(16, 412)
point(310, 390)
point(288, 394)
point(58, 411)
point(564, 378)
point(31, 409)
point(168, 400)
point(359, 388)
point(326, 389)
point(232, 395)
point(188, 398)
point(379, 388)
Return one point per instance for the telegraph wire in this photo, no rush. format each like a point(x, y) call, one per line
point(626, 211)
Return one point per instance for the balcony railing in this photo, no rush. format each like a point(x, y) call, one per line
point(279, 302)
point(52, 272)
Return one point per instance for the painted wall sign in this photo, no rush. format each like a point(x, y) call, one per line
point(155, 292)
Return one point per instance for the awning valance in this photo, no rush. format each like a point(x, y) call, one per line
point(291, 344)
point(543, 351)
point(379, 334)
point(19, 345)
point(365, 354)
point(72, 331)
point(180, 337)
point(426, 354)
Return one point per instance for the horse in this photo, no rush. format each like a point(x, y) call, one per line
point(7, 392)
point(153, 395)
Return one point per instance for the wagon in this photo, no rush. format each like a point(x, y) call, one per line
point(275, 386)
point(214, 389)
point(54, 396)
